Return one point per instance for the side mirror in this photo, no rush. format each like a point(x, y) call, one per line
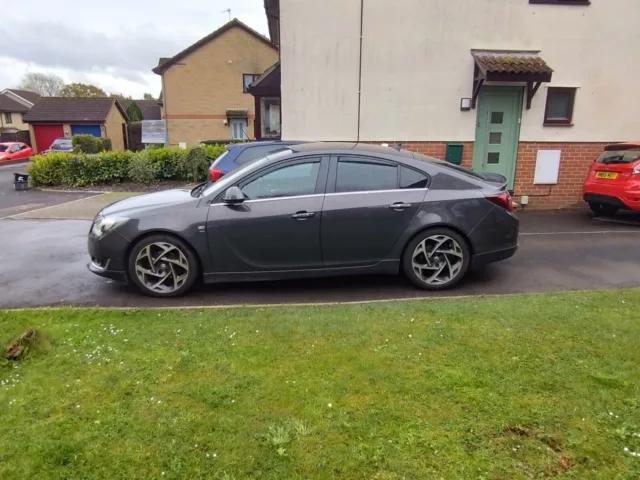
point(233, 195)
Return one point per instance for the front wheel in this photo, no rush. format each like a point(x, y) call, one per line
point(601, 209)
point(162, 266)
point(436, 259)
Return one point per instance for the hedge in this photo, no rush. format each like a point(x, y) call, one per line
point(87, 143)
point(157, 164)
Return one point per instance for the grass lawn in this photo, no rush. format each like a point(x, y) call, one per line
point(490, 388)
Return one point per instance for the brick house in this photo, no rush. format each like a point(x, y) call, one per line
point(54, 117)
point(205, 87)
point(14, 104)
point(530, 89)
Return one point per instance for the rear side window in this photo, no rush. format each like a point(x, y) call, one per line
point(412, 179)
point(359, 175)
point(251, 153)
point(619, 156)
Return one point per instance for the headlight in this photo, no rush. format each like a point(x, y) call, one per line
point(102, 225)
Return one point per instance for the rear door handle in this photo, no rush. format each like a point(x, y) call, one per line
point(399, 206)
point(303, 215)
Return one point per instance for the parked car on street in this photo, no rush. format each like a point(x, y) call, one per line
point(310, 210)
point(241, 153)
point(613, 182)
point(14, 151)
point(61, 145)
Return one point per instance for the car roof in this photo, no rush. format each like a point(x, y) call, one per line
point(622, 146)
point(265, 143)
point(350, 147)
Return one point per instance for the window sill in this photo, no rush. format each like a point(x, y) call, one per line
point(561, 2)
point(557, 124)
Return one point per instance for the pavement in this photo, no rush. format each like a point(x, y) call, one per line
point(43, 263)
point(12, 202)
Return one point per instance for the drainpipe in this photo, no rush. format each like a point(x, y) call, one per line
point(360, 67)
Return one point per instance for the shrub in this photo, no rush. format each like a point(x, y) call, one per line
point(141, 168)
point(87, 143)
point(194, 164)
point(78, 169)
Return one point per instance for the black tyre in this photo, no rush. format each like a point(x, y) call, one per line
point(601, 209)
point(162, 266)
point(436, 259)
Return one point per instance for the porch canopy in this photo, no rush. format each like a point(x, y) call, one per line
point(509, 66)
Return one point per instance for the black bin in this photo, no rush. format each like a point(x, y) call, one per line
point(20, 181)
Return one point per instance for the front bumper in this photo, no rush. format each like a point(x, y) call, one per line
point(108, 256)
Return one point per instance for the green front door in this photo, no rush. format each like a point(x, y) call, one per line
point(498, 131)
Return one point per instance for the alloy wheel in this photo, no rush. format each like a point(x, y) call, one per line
point(162, 267)
point(437, 260)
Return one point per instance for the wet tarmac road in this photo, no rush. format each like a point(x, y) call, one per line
point(43, 262)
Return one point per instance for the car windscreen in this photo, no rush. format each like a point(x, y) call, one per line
point(61, 143)
point(4, 148)
point(219, 159)
point(230, 178)
point(619, 156)
point(251, 153)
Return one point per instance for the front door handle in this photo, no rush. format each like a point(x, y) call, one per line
point(303, 215)
point(399, 206)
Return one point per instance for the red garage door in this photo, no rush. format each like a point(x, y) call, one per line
point(46, 134)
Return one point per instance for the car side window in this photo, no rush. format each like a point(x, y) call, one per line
point(15, 148)
point(410, 178)
point(360, 174)
point(289, 181)
point(251, 153)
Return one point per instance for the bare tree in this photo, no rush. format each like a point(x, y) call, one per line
point(46, 84)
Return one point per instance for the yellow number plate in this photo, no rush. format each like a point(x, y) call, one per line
point(607, 175)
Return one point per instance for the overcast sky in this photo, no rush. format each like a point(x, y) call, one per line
point(113, 44)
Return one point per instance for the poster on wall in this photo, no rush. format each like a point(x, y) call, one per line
point(154, 131)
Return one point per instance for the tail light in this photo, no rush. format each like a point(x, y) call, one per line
point(215, 175)
point(502, 200)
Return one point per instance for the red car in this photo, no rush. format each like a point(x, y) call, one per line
point(613, 182)
point(14, 151)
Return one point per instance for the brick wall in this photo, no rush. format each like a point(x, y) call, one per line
point(574, 164)
point(199, 88)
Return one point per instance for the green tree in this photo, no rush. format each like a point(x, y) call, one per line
point(119, 96)
point(46, 84)
point(134, 113)
point(148, 96)
point(82, 90)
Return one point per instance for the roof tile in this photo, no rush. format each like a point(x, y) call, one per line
point(511, 62)
point(59, 109)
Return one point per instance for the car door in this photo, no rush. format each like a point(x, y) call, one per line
point(369, 204)
point(277, 227)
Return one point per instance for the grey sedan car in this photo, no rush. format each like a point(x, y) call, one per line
point(310, 210)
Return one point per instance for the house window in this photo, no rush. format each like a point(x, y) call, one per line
point(270, 117)
point(8, 118)
point(562, 2)
point(559, 109)
point(247, 80)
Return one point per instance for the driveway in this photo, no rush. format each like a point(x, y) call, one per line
point(42, 262)
point(12, 202)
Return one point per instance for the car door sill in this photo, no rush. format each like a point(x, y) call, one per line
point(385, 267)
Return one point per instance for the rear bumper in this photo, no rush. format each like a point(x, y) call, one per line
point(496, 256)
point(624, 196)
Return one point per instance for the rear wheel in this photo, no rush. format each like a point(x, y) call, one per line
point(601, 209)
point(436, 259)
point(162, 266)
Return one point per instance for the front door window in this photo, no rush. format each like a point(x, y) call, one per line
point(270, 117)
point(498, 130)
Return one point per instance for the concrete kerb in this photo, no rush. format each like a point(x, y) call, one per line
point(308, 304)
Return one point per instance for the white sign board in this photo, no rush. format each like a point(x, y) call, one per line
point(547, 167)
point(154, 131)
